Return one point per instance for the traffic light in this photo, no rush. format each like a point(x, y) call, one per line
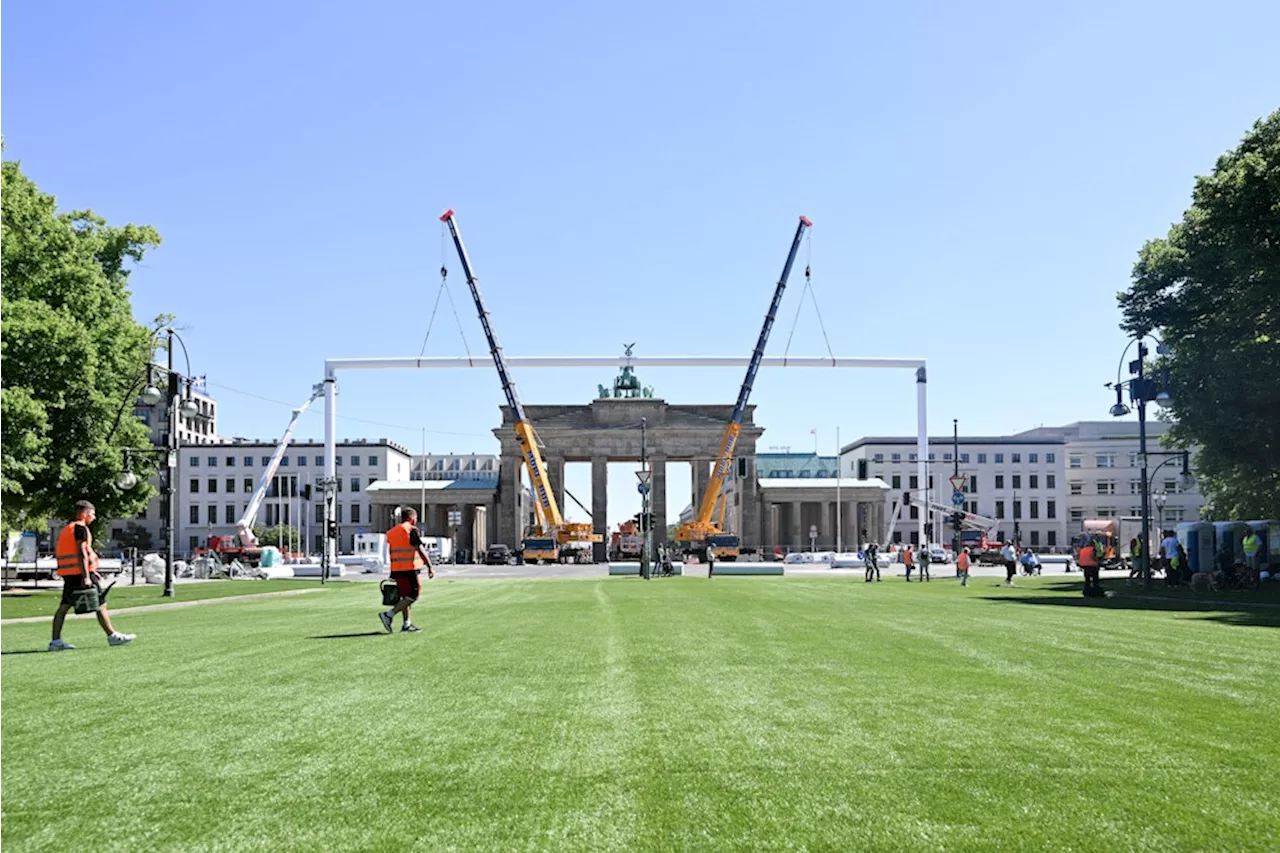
point(928, 530)
point(957, 518)
point(906, 499)
point(306, 492)
point(332, 530)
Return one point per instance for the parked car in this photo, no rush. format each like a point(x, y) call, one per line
point(498, 555)
point(938, 554)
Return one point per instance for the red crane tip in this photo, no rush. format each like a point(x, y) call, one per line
point(803, 219)
point(449, 213)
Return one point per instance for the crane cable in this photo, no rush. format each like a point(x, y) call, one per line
point(808, 289)
point(444, 286)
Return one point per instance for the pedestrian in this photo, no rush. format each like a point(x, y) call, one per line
point(908, 560)
point(407, 557)
point(924, 563)
point(962, 566)
point(1135, 557)
point(1253, 552)
point(873, 568)
point(1010, 557)
point(1089, 564)
point(1168, 549)
point(78, 568)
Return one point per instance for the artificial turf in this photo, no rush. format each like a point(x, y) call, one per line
point(42, 602)
point(738, 713)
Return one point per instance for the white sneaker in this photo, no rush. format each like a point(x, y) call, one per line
point(118, 639)
point(60, 646)
point(386, 616)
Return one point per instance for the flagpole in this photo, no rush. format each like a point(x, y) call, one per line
point(839, 506)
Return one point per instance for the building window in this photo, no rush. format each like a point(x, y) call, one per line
point(230, 461)
point(972, 507)
point(213, 485)
point(320, 460)
point(1074, 461)
point(373, 461)
point(230, 485)
point(982, 459)
point(1017, 481)
point(1017, 457)
point(915, 511)
point(912, 458)
point(1076, 488)
point(339, 481)
point(213, 461)
point(319, 513)
point(896, 457)
point(999, 458)
point(193, 542)
point(337, 460)
point(1035, 538)
point(266, 460)
point(284, 460)
point(1174, 513)
point(999, 481)
point(973, 484)
point(1135, 487)
point(248, 485)
point(1106, 487)
point(248, 462)
point(194, 461)
point(964, 458)
point(999, 509)
point(355, 484)
point(1050, 458)
point(933, 456)
point(915, 537)
point(1106, 512)
point(230, 513)
point(355, 513)
point(195, 486)
point(1050, 481)
point(1032, 458)
point(946, 457)
point(1033, 481)
point(1171, 486)
point(1077, 513)
point(1017, 509)
point(337, 512)
point(879, 457)
point(896, 483)
point(213, 513)
point(931, 481)
point(1050, 509)
point(372, 480)
point(1035, 509)
point(913, 482)
point(1105, 460)
point(193, 514)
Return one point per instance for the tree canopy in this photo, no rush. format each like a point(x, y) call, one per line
point(1211, 290)
point(73, 356)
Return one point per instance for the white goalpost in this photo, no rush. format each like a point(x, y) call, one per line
point(333, 365)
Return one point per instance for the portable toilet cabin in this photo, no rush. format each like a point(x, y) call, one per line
point(1269, 530)
point(1229, 543)
point(1196, 538)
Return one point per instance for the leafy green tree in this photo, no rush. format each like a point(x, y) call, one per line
point(73, 358)
point(286, 537)
point(1211, 290)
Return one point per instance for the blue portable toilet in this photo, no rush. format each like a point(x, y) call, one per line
point(1229, 542)
point(1269, 530)
point(1196, 538)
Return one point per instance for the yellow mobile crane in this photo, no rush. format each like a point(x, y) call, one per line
point(701, 533)
point(543, 542)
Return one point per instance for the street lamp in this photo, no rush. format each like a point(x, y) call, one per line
point(1142, 389)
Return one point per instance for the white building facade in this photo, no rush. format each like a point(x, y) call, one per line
point(1016, 480)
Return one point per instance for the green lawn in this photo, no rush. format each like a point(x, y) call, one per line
point(43, 602)
point(738, 713)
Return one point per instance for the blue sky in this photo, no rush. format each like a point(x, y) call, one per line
point(980, 177)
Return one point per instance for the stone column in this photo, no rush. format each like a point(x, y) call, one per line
point(797, 530)
point(658, 500)
point(827, 526)
point(700, 472)
point(509, 532)
point(750, 487)
point(600, 506)
point(555, 479)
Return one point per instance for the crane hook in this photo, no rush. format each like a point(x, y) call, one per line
point(444, 272)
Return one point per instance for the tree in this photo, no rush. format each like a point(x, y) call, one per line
point(74, 358)
point(286, 537)
point(1211, 289)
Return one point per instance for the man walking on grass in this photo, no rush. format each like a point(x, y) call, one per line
point(407, 557)
point(78, 568)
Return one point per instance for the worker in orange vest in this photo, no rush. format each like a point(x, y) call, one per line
point(962, 566)
point(78, 568)
point(407, 558)
point(1089, 564)
point(908, 560)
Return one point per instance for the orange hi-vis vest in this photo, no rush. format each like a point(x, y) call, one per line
point(962, 562)
point(402, 552)
point(1088, 558)
point(68, 551)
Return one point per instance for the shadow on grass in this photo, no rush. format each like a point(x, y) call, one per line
point(348, 636)
point(27, 652)
point(1238, 613)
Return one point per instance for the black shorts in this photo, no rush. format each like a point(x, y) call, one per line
point(407, 584)
point(71, 584)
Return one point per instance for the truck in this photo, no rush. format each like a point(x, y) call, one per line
point(552, 531)
point(625, 543)
point(701, 533)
